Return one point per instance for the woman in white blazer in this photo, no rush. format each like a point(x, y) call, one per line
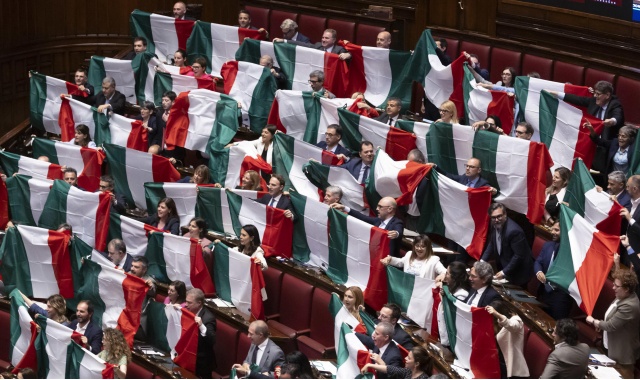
point(510, 339)
point(420, 261)
point(264, 146)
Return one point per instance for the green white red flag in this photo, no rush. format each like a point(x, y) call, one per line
point(164, 34)
point(227, 166)
point(44, 100)
point(479, 102)
point(23, 332)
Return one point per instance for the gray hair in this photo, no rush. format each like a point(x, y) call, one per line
point(387, 329)
point(334, 190)
point(484, 271)
point(261, 328)
point(617, 176)
point(416, 155)
point(198, 295)
point(289, 24)
point(318, 74)
point(110, 81)
point(118, 245)
point(629, 131)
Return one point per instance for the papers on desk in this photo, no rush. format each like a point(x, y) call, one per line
point(220, 302)
point(325, 366)
point(151, 351)
point(462, 372)
point(600, 372)
point(601, 360)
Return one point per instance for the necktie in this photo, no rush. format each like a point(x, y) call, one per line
point(273, 200)
point(390, 121)
point(498, 242)
point(473, 296)
point(383, 225)
point(600, 113)
point(254, 357)
point(365, 174)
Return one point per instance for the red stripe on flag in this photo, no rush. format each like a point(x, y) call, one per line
point(328, 158)
point(278, 233)
point(538, 165)
point(229, 72)
point(61, 262)
point(409, 178)
point(363, 357)
point(187, 345)
point(207, 83)
point(138, 138)
point(200, 276)
point(183, 32)
point(399, 143)
point(162, 170)
point(376, 293)
point(274, 116)
point(89, 178)
point(479, 201)
point(55, 172)
point(258, 164)
point(585, 147)
point(435, 330)
point(357, 77)
point(65, 121)
point(335, 75)
point(178, 122)
point(484, 361)
point(72, 89)
point(107, 372)
point(102, 221)
point(257, 284)
point(595, 268)
point(30, 357)
point(457, 73)
point(502, 105)
point(134, 290)
point(4, 205)
point(611, 224)
point(577, 90)
point(249, 33)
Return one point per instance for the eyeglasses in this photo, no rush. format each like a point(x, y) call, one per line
point(520, 132)
point(470, 167)
point(330, 134)
point(443, 111)
point(196, 66)
point(497, 217)
point(597, 93)
point(314, 81)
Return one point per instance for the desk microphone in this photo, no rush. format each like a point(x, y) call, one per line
point(507, 292)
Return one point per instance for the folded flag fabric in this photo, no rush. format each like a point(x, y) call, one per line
point(164, 34)
point(413, 294)
point(36, 261)
point(480, 102)
point(131, 169)
point(516, 167)
point(73, 113)
point(44, 100)
point(202, 120)
point(217, 43)
point(24, 191)
point(132, 232)
point(163, 82)
point(528, 92)
point(584, 259)
point(174, 257)
point(212, 205)
point(12, 163)
point(456, 212)
point(183, 194)
point(227, 166)
point(310, 243)
point(239, 280)
point(174, 330)
point(355, 129)
point(471, 336)
point(562, 131)
point(86, 161)
point(83, 364)
point(87, 213)
point(23, 332)
point(51, 347)
point(419, 129)
point(321, 176)
point(352, 355)
point(252, 50)
point(119, 69)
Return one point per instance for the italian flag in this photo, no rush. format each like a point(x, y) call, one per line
point(117, 297)
point(144, 70)
point(175, 331)
point(396, 179)
point(83, 364)
point(561, 130)
point(480, 102)
point(164, 34)
point(351, 354)
point(227, 166)
point(120, 70)
point(310, 242)
point(12, 163)
point(304, 116)
point(87, 213)
point(373, 71)
point(516, 167)
point(252, 50)
point(595, 207)
point(355, 129)
point(51, 347)
point(125, 132)
point(44, 100)
point(584, 259)
point(25, 191)
point(275, 229)
point(36, 261)
point(471, 336)
point(131, 169)
point(252, 85)
point(239, 280)
point(212, 205)
point(319, 177)
point(174, 257)
point(202, 120)
point(289, 157)
point(163, 82)
point(420, 129)
point(413, 294)
point(456, 212)
point(87, 161)
point(23, 332)
point(217, 43)
point(132, 232)
point(528, 92)
point(184, 195)
point(73, 113)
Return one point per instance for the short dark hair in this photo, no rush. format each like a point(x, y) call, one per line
point(397, 100)
point(417, 155)
point(396, 312)
point(443, 43)
point(567, 330)
point(140, 39)
point(527, 126)
point(201, 61)
point(171, 95)
point(118, 245)
point(89, 306)
point(149, 105)
point(70, 170)
point(337, 128)
point(280, 178)
point(28, 373)
point(141, 259)
point(604, 87)
point(495, 118)
point(83, 69)
point(245, 12)
point(365, 143)
point(109, 180)
point(497, 205)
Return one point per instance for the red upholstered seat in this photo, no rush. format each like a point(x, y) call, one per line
point(591, 76)
point(482, 51)
point(346, 29)
point(540, 65)
point(5, 325)
point(319, 342)
point(501, 58)
point(275, 20)
point(134, 371)
point(627, 90)
point(367, 34)
point(453, 47)
point(273, 282)
point(243, 347)
point(536, 352)
point(295, 306)
point(567, 72)
point(312, 26)
point(259, 16)
point(226, 348)
point(538, 242)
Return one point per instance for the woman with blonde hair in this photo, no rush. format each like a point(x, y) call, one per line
point(353, 301)
point(56, 308)
point(115, 351)
point(448, 113)
point(251, 181)
point(201, 176)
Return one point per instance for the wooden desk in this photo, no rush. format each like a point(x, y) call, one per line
point(160, 366)
point(443, 364)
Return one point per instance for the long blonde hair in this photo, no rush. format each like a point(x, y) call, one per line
point(118, 346)
point(451, 107)
point(58, 303)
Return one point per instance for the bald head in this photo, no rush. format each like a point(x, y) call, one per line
point(386, 208)
point(266, 61)
point(258, 332)
point(383, 40)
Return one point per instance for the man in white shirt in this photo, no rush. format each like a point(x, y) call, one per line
point(117, 253)
point(263, 352)
point(385, 348)
point(91, 332)
point(392, 112)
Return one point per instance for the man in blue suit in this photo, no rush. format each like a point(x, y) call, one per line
point(331, 142)
point(360, 167)
point(290, 32)
point(84, 324)
point(385, 348)
point(616, 183)
point(471, 176)
point(507, 245)
point(557, 300)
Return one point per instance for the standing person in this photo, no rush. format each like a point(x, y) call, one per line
point(180, 60)
point(457, 279)
point(206, 321)
point(569, 359)
point(619, 149)
point(264, 146)
point(180, 11)
point(199, 67)
point(166, 218)
point(331, 142)
point(555, 193)
point(250, 245)
point(56, 308)
point(117, 253)
point(418, 365)
point(448, 113)
point(316, 82)
point(510, 339)
point(109, 98)
point(263, 353)
point(420, 261)
point(198, 231)
point(201, 176)
point(80, 79)
point(383, 40)
point(276, 198)
point(250, 181)
point(359, 167)
point(290, 32)
point(161, 121)
point(107, 185)
point(176, 294)
point(84, 324)
point(116, 351)
point(244, 21)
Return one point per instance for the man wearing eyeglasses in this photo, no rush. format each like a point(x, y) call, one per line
point(507, 245)
point(331, 142)
point(524, 130)
point(471, 176)
point(316, 81)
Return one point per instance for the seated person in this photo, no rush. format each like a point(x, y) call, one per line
point(244, 21)
point(262, 352)
point(569, 359)
point(362, 107)
point(109, 98)
point(80, 78)
point(166, 217)
point(480, 278)
point(117, 253)
point(201, 176)
point(139, 46)
point(176, 294)
point(116, 351)
point(278, 75)
point(392, 112)
point(331, 142)
point(82, 137)
point(556, 192)
point(91, 331)
point(383, 40)
point(290, 32)
point(384, 350)
point(328, 44)
point(419, 365)
point(620, 149)
point(492, 124)
point(316, 82)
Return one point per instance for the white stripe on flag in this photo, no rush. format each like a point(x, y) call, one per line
point(83, 114)
point(532, 109)
point(329, 114)
point(122, 72)
point(454, 201)
point(36, 245)
point(22, 344)
point(58, 339)
point(51, 111)
point(266, 48)
point(358, 256)
point(202, 116)
point(565, 136)
point(421, 305)
point(464, 334)
point(438, 84)
point(185, 195)
point(463, 143)
point(182, 83)
point(174, 327)
point(315, 225)
point(70, 155)
point(252, 212)
point(350, 369)
point(302, 153)
point(165, 37)
point(247, 78)
point(307, 60)
point(240, 281)
point(120, 128)
point(479, 100)
point(112, 294)
point(139, 168)
point(224, 44)
point(292, 113)
point(596, 206)
point(91, 366)
point(512, 157)
point(227, 222)
point(377, 71)
point(374, 131)
point(33, 168)
point(39, 190)
point(82, 209)
point(177, 257)
point(352, 191)
point(134, 236)
point(151, 75)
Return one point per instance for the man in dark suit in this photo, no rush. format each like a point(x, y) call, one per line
point(70, 176)
point(244, 21)
point(558, 301)
point(569, 359)
point(392, 112)
point(275, 198)
point(482, 293)
point(616, 183)
point(290, 32)
point(88, 96)
point(107, 185)
point(441, 52)
point(139, 47)
point(281, 79)
point(180, 11)
point(385, 348)
point(331, 142)
point(316, 82)
point(386, 220)
point(328, 44)
point(631, 217)
point(91, 332)
point(205, 359)
point(109, 98)
point(507, 245)
point(263, 353)
point(117, 253)
point(360, 167)
point(471, 176)
point(391, 313)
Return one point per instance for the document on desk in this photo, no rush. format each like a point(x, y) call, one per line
point(325, 366)
point(602, 360)
point(220, 302)
point(601, 372)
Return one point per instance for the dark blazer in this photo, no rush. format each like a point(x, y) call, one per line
point(612, 147)
point(339, 149)
point(154, 137)
point(119, 204)
point(284, 203)
point(281, 79)
point(172, 226)
point(394, 224)
point(391, 356)
point(128, 260)
point(117, 102)
point(91, 95)
point(625, 199)
point(402, 337)
point(384, 118)
point(206, 358)
point(567, 362)
point(93, 334)
point(515, 260)
point(302, 38)
point(353, 166)
point(271, 358)
point(463, 180)
point(337, 49)
point(544, 260)
point(489, 295)
point(614, 109)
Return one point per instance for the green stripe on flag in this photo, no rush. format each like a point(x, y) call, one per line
point(351, 136)
point(117, 158)
point(226, 123)
point(102, 133)
point(157, 325)
point(485, 148)
point(301, 250)
point(140, 25)
point(400, 286)
point(441, 150)
point(18, 187)
point(283, 155)
point(41, 347)
point(562, 271)
point(262, 99)
point(450, 313)
point(75, 354)
point(15, 269)
point(45, 147)
point(342, 348)
point(9, 163)
point(338, 247)
point(54, 212)
point(90, 289)
point(370, 191)
point(153, 193)
point(579, 183)
point(162, 83)
point(548, 115)
point(115, 228)
point(37, 99)
point(313, 109)
point(317, 173)
point(235, 204)
point(209, 207)
point(522, 93)
point(218, 165)
point(286, 54)
point(78, 251)
point(249, 51)
point(140, 66)
point(467, 88)
point(221, 271)
point(97, 72)
point(155, 253)
point(431, 215)
point(199, 43)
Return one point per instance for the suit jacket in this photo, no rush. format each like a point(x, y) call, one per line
point(91, 95)
point(93, 334)
point(271, 358)
point(515, 259)
point(489, 295)
point(394, 224)
point(614, 109)
point(567, 362)
point(172, 226)
point(281, 79)
point(402, 337)
point(284, 203)
point(625, 199)
point(339, 149)
point(353, 166)
point(384, 118)
point(155, 136)
point(612, 147)
point(128, 260)
point(463, 180)
point(544, 260)
point(321, 92)
point(206, 359)
point(623, 329)
point(117, 101)
point(391, 356)
point(302, 38)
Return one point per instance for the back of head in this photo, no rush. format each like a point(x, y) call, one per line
point(567, 331)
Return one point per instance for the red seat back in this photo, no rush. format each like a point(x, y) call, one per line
point(502, 58)
point(540, 65)
point(536, 352)
point(226, 347)
point(568, 72)
point(259, 16)
point(243, 347)
point(482, 51)
point(627, 90)
point(321, 324)
point(346, 29)
point(453, 48)
point(312, 26)
point(367, 34)
point(295, 303)
point(5, 325)
point(135, 371)
point(591, 76)
point(273, 283)
point(538, 242)
point(275, 20)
